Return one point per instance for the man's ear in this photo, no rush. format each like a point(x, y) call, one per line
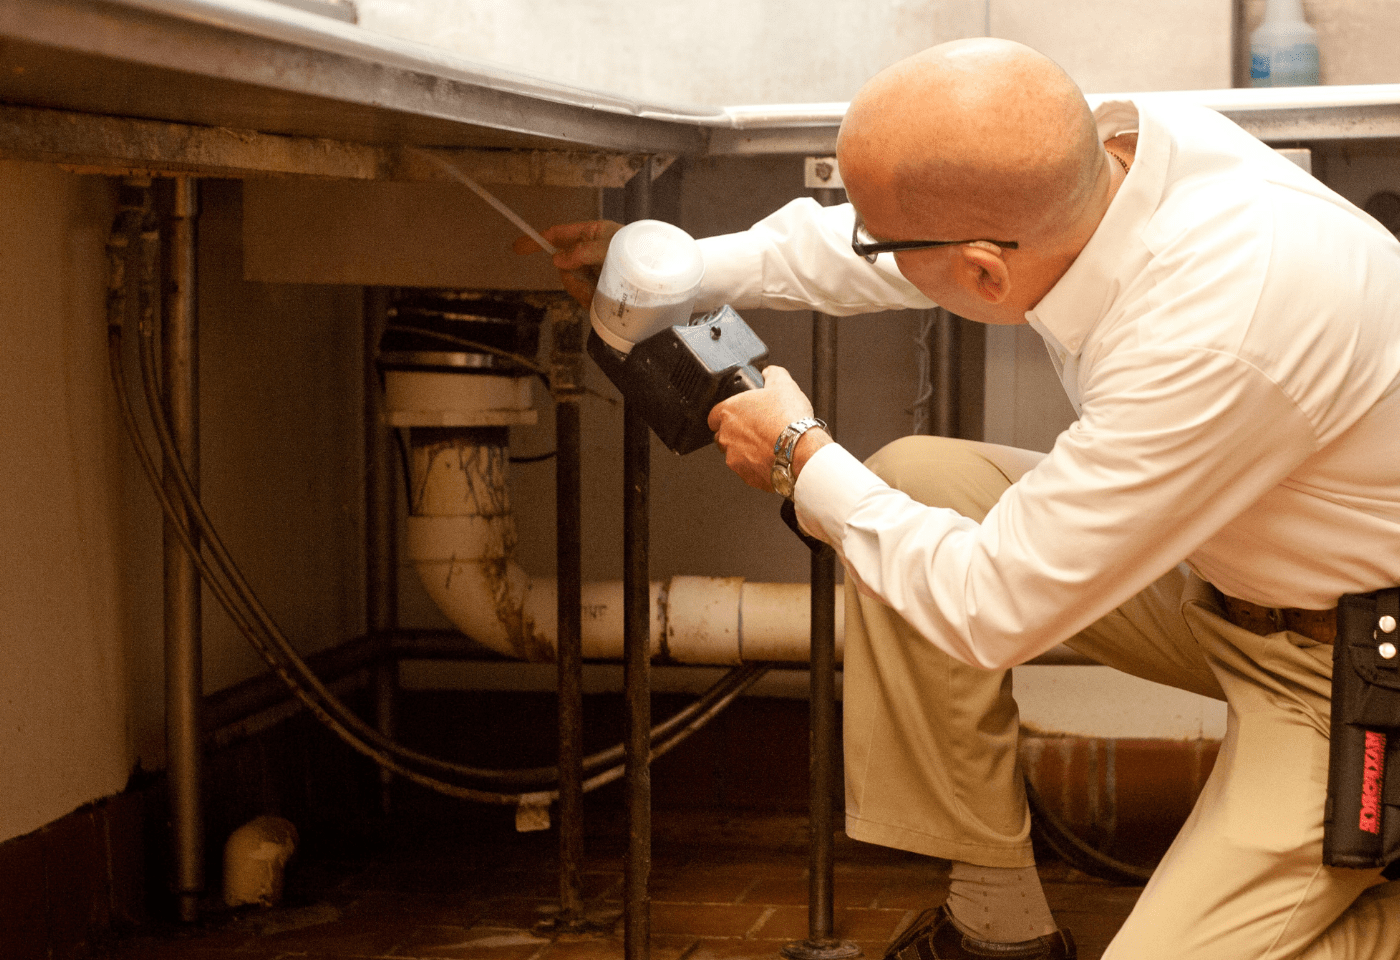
point(982, 272)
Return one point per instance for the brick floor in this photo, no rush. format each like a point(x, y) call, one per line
point(723, 887)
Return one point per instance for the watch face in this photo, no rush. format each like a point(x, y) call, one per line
point(782, 479)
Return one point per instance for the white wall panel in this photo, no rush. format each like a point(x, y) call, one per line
point(1111, 46)
point(64, 736)
point(797, 51)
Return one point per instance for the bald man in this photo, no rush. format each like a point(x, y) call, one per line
point(1229, 332)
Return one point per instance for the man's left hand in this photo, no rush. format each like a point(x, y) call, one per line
point(748, 424)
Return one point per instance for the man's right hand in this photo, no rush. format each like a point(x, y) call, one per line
point(582, 249)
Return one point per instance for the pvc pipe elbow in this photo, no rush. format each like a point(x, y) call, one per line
point(461, 539)
point(255, 861)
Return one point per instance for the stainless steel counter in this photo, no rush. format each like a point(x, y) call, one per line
point(261, 67)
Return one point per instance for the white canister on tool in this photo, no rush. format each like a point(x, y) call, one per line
point(649, 282)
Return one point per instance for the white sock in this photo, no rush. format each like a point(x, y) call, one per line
point(1000, 904)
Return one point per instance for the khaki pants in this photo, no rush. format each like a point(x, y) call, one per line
point(932, 767)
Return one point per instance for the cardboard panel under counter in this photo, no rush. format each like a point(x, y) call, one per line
point(376, 233)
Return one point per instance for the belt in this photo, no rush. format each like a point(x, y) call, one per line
point(1319, 625)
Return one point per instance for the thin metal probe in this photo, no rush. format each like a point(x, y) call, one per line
point(490, 198)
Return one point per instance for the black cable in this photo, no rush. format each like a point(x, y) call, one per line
point(695, 716)
point(1077, 853)
point(255, 623)
point(402, 445)
point(255, 611)
point(448, 338)
point(221, 593)
point(116, 314)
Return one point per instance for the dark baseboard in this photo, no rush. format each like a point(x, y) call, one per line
point(104, 868)
point(74, 882)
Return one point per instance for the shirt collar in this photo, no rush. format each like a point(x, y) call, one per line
point(1067, 314)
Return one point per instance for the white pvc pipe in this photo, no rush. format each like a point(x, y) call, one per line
point(255, 862)
point(461, 539)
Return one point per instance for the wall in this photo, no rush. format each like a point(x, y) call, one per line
point(727, 52)
point(1356, 38)
point(80, 608)
point(65, 615)
point(79, 597)
point(721, 52)
point(281, 401)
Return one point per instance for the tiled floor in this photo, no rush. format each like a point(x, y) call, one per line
point(722, 887)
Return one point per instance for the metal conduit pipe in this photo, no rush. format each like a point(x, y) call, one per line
point(946, 351)
point(638, 610)
point(936, 407)
point(636, 561)
point(381, 540)
point(821, 893)
point(821, 944)
point(184, 674)
point(567, 387)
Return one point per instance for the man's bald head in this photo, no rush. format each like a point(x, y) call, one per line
point(975, 138)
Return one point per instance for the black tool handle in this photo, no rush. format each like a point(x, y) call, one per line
point(748, 378)
point(743, 379)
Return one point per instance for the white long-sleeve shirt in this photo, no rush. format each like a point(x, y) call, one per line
point(1230, 338)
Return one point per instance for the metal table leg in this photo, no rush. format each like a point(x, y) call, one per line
point(184, 676)
point(637, 645)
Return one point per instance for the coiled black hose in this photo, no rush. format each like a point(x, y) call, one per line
point(1057, 835)
point(135, 226)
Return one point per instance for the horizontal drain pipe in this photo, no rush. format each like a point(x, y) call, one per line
point(461, 539)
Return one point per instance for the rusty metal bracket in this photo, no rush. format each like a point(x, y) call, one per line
point(125, 146)
point(568, 324)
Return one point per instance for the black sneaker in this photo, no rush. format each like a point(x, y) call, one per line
point(934, 936)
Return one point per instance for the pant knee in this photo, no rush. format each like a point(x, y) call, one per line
point(943, 472)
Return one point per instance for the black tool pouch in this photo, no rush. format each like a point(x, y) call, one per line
point(1362, 827)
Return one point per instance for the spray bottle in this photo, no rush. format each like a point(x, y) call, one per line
point(1283, 49)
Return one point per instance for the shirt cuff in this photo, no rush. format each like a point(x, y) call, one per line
point(832, 483)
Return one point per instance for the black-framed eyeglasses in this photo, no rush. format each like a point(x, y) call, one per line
point(868, 247)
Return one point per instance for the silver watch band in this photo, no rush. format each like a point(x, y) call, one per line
point(787, 440)
point(781, 474)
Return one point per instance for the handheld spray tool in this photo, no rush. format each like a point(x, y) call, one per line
point(673, 367)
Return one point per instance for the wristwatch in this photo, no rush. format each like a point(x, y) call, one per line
point(781, 476)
